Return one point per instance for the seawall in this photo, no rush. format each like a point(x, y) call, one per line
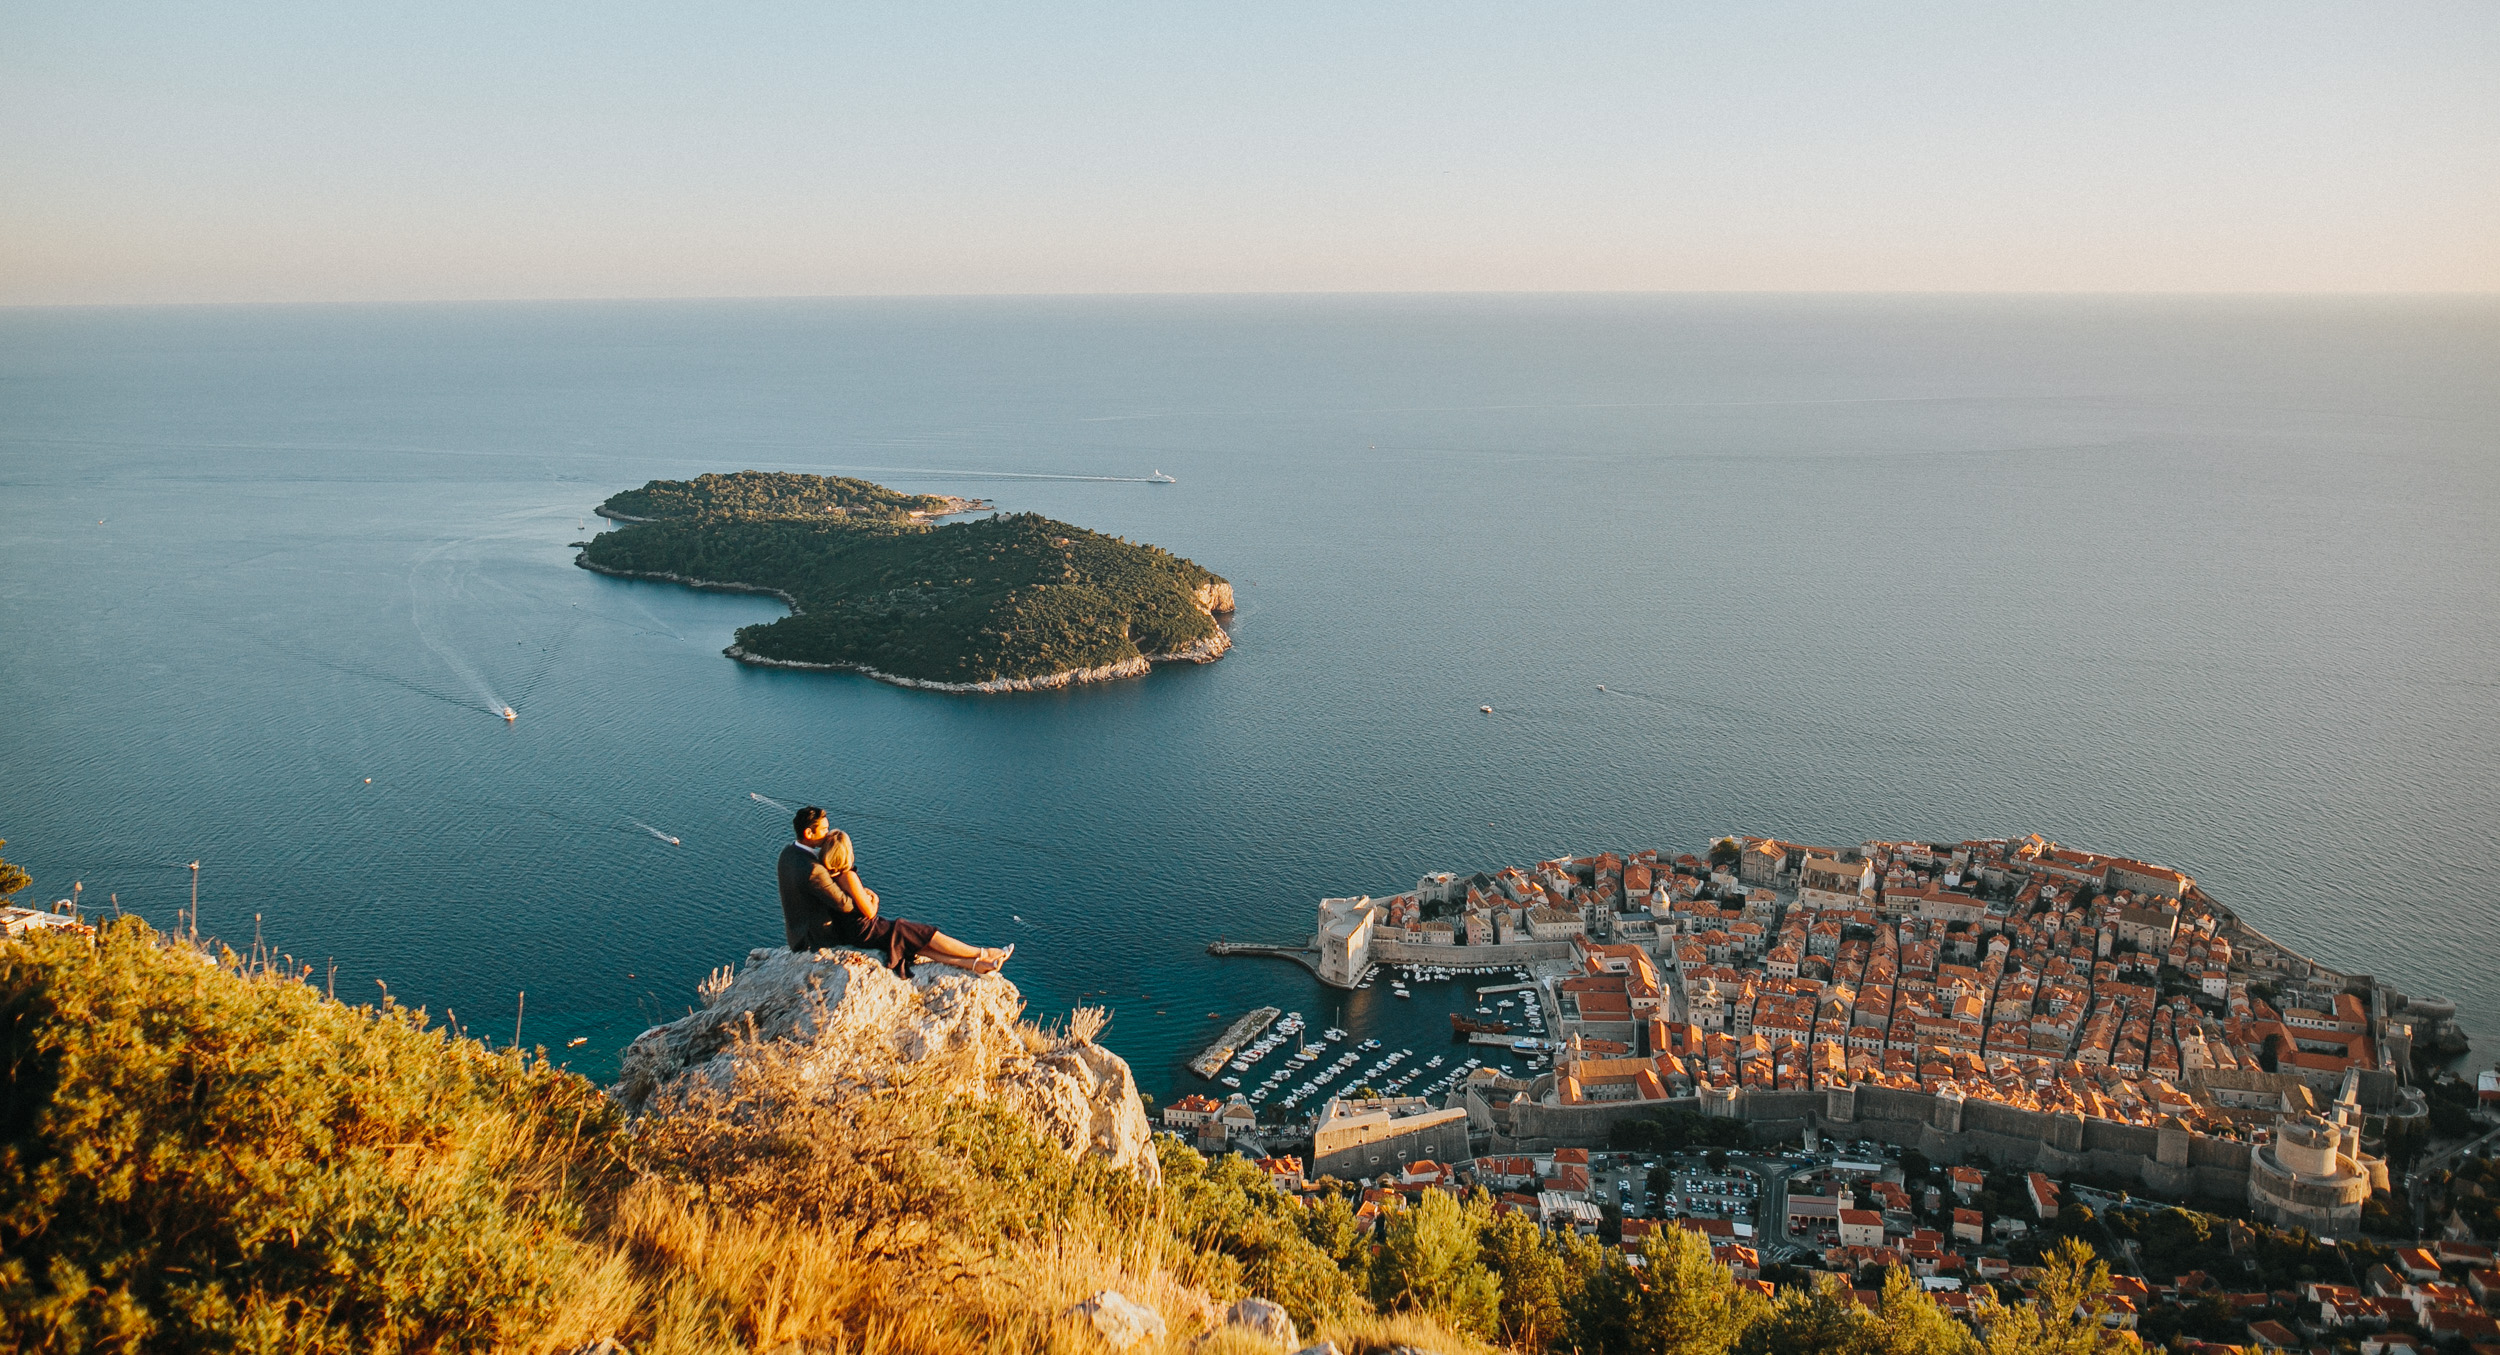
point(2172, 1163)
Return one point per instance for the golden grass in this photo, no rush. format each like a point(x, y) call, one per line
point(870, 1209)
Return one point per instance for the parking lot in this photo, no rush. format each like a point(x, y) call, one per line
point(1686, 1186)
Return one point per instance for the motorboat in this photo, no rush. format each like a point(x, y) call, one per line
point(1159, 478)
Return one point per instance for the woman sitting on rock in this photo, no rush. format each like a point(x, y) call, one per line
point(823, 904)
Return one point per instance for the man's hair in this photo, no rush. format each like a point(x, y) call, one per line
point(800, 820)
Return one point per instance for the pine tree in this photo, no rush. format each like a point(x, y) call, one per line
point(1430, 1261)
point(11, 878)
point(2065, 1316)
point(1678, 1301)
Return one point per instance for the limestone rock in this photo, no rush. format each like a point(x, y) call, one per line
point(1084, 1096)
point(1323, 1348)
point(1268, 1321)
point(1120, 1321)
point(854, 1017)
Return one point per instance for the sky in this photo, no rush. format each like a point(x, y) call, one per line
point(445, 150)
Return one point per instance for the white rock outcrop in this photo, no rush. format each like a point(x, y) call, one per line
point(853, 1016)
point(1120, 1320)
point(1265, 1320)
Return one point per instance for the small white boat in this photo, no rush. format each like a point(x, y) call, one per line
point(507, 715)
point(1403, 993)
point(1486, 709)
point(1230, 1081)
point(1159, 478)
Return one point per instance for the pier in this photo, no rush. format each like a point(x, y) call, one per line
point(1304, 956)
point(1241, 1032)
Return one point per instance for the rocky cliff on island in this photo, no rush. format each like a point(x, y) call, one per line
point(875, 585)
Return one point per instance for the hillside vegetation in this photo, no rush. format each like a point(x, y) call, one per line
point(995, 599)
point(204, 1154)
point(771, 494)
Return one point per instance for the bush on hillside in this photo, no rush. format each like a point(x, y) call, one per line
point(197, 1157)
point(203, 1155)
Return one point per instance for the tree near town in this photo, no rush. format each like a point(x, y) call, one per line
point(11, 878)
point(1429, 1261)
point(2064, 1316)
point(1677, 1301)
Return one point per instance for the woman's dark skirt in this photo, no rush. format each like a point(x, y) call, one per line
point(899, 938)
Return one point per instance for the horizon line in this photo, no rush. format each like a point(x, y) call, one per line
point(1832, 293)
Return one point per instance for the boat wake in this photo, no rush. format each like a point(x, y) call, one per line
point(655, 832)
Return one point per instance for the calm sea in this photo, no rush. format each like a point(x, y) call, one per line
point(2210, 582)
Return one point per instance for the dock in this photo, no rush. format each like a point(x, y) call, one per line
point(1304, 956)
point(1506, 988)
point(1240, 1033)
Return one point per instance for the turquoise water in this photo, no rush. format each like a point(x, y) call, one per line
point(2215, 583)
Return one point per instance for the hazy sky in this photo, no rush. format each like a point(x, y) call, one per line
point(186, 152)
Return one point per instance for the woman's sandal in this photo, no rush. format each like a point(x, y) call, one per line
point(986, 965)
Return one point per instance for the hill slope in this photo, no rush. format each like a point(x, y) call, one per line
point(1004, 603)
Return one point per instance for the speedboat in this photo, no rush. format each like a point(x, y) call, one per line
point(1159, 478)
point(1230, 1081)
point(1403, 993)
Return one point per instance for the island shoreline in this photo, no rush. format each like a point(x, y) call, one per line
point(1205, 651)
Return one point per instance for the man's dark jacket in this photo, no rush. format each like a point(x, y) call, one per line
point(814, 914)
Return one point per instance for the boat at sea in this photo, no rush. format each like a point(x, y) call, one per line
point(1159, 478)
point(1465, 1025)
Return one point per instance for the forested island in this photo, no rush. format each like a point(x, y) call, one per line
point(1009, 602)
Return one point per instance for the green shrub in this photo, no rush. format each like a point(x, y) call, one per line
point(196, 1158)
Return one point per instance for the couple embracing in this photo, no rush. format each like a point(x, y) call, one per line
point(823, 904)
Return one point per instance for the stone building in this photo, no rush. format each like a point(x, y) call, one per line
point(1358, 1140)
point(2313, 1175)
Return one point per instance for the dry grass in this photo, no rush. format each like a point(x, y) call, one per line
point(879, 1207)
point(364, 1180)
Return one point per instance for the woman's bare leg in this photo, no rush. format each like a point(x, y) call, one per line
point(947, 950)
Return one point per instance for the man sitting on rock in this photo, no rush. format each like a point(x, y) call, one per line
point(823, 904)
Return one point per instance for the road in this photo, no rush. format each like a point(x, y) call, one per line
point(1770, 1226)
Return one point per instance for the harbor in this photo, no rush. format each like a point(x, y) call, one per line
point(1392, 1033)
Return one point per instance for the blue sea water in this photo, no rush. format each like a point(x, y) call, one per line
point(2210, 582)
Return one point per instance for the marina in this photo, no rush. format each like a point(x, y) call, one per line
point(1390, 1034)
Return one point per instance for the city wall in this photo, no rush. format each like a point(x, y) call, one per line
point(2169, 1163)
point(1457, 957)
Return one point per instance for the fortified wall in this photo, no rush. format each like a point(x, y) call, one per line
point(1948, 1128)
point(1460, 957)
